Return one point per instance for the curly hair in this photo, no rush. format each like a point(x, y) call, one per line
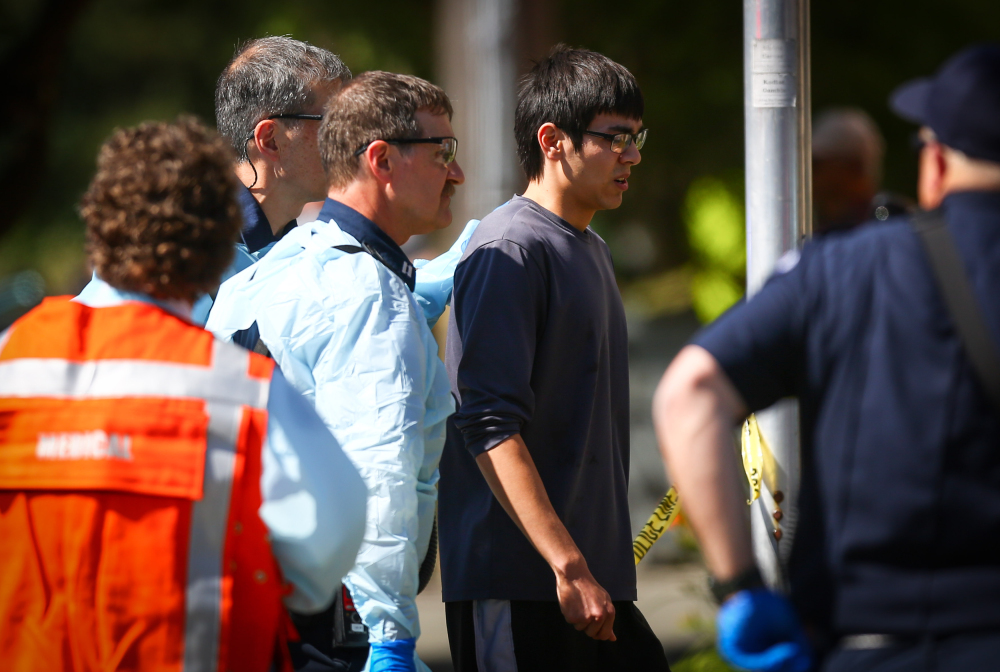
point(161, 212)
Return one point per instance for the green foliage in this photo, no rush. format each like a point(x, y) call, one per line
point(703, 661)
point(712, 293)
point(716, 225)
point(716, 229)
point(133, 60)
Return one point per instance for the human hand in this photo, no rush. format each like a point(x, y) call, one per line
point(758, 630)
point(585, 604)
point(395, 656)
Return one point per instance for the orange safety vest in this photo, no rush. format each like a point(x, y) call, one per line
point(130, 465)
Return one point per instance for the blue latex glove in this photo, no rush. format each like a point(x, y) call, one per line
point(758, 631)
point(395, 656)
point(436, 278)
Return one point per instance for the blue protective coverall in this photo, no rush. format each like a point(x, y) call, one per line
point(350, 336)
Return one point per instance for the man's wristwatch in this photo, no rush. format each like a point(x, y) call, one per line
point(745, 580)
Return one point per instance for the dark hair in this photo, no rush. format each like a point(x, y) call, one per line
point(569, 88)
point(270, 75)
point(161, 211)
point(375, 106)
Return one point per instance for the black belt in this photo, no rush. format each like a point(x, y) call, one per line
point(867, 641)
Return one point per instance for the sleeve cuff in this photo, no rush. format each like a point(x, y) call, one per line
point(486, 433)
point(491, 442)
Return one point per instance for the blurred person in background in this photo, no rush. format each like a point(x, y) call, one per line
point(163, 495)
point(536, 541)
point(848, 151)
point(893, 566)
point(333, 302)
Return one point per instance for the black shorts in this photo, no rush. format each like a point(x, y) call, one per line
point(523, 636)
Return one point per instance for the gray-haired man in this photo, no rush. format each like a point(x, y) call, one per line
point(268, 104)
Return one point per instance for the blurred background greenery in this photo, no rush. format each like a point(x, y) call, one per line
point(78, 68)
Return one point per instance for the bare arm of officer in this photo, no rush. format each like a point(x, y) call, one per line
point(695, 410)
point(515, 482)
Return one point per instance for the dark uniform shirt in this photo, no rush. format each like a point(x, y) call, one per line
point(899, 528)
point(537, 345)
point(255, 238)
point(256, 233)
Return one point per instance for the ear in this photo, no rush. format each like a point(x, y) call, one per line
point(379, 161)
point(933, 177)
point(264, 140)
point(551, 139)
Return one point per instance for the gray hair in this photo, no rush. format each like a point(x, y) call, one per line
point(849, 133)
point(267, 76)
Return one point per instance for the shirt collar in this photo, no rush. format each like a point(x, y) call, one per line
point(99, 294)
point(257, 233)
point(375, 241)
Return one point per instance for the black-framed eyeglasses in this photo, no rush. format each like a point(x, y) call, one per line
point(621, 141)
point(309, 117)
point(449, 146)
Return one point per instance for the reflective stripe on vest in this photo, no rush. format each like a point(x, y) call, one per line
point(74, 417)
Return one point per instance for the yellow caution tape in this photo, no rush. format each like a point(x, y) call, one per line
point(758, 462)
point(753, 457)
point(661, 520)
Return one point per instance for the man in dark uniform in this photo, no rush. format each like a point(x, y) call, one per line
point(895, 564)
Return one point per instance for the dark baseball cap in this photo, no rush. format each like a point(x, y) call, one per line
point(961, 103)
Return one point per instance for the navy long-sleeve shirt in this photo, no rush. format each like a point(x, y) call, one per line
point(537, 346)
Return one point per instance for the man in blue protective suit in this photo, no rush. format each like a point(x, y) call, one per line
point(334, 304)
point(894, 565)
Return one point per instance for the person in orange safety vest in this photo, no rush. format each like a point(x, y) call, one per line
point(163, 495)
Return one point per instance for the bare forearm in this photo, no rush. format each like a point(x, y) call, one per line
point(695, 411)
point(514, 480)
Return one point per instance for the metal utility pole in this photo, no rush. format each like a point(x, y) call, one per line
point(776, 83)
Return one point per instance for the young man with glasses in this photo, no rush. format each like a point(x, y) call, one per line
point(536, 544)
point(334, 304)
